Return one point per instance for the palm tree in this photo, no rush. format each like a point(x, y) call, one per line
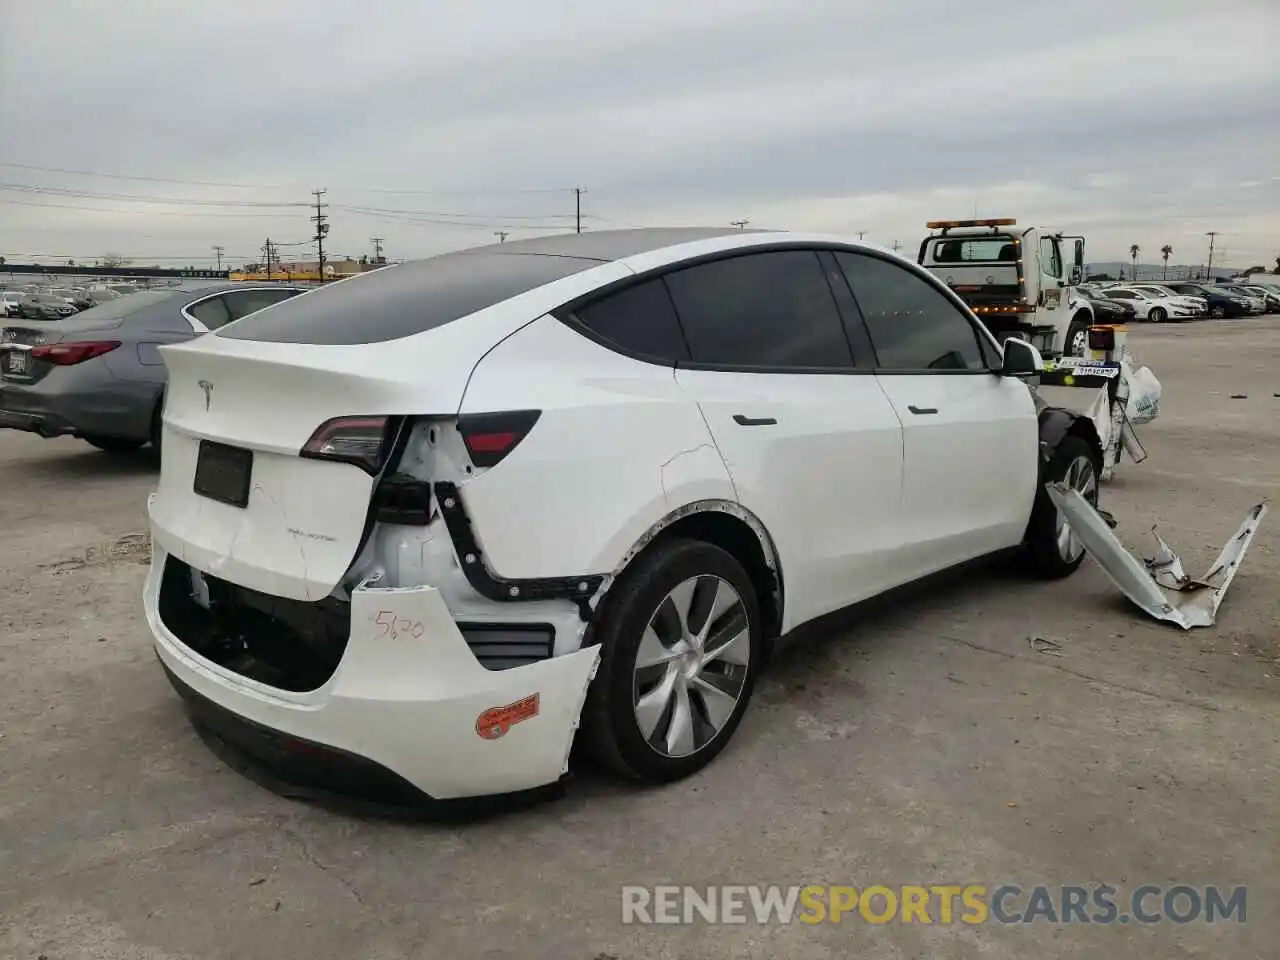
point(1165, 251)
point(1133, 254)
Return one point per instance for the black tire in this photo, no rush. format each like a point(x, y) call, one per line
point(1043, 554)
point(1218, 312)
point(157, 427)
point(1157, 315)
point(113, 444)
point(611, 732)
point(1079, 327)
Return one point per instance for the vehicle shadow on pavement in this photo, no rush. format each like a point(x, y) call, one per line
point(87, 463)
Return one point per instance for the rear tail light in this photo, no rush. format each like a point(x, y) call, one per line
point(491, 436)
point(363, 441)
point(68, 354)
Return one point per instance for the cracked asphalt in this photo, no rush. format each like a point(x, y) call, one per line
point(928, 742)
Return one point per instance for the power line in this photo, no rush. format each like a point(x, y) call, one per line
point(135, 198)
point(149, 213)
point(122, 176)
point(377, 250)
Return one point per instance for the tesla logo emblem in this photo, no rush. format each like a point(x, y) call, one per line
point(207, 387)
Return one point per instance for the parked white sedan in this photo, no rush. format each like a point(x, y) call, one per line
point(573, 481)
point(1199, 305)
point(1147, 305)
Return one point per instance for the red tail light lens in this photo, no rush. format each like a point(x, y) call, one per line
point(364, 441)
point(68, 354)
point(491, 436)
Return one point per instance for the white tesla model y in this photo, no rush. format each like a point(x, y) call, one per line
point(418, 530)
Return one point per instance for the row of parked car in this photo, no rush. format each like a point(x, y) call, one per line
point(52, 303)
point(1182, 299)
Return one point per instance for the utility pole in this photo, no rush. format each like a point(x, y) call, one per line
point(577, 198)
point(501, 235)
point(861, 234)
point(897, 245)
point(322, 229)
point(268, 255)
point(740, 224)
point(218, 250)
point(377, 249)
point(1211, 235)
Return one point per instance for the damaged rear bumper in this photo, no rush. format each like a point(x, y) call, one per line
point(408, 709)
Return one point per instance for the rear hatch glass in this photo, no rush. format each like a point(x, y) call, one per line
point(404, 299)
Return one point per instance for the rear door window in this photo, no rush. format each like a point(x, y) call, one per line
point(640, 320)
point(772, 310)
point(241, 303)
point(212, 312)
point(913, 325)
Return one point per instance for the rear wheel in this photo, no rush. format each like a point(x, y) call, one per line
point(1157, 315)
point(113, 444)
point(1053, 549)
point(681, 644)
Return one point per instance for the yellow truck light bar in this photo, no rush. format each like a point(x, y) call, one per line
point(945, 224)
point(1006, 308)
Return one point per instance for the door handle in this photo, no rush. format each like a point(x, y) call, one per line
point(921, 410)
point(742, 421)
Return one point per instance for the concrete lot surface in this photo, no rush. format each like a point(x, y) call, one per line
point(927, 744)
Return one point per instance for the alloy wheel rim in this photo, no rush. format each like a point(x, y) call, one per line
point(1082, 478)
point(691, 667)
point(1078, 343)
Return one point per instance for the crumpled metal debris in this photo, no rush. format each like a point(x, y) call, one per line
point(1159, 586)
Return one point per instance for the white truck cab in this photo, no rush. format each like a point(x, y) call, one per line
point(1021, 282)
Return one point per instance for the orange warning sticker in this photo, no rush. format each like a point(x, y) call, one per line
point(496, 721)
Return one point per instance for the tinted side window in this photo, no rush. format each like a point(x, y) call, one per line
point(212, 312)
point(241, 303)
point(760, 310)
point(639, 319)
point(912, 325)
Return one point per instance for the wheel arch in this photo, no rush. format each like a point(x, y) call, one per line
point(1056, 423)
point(734, 529)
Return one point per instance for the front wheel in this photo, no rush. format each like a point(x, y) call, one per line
point(1078, 337)
point(1218, 312)
point(1053, 549)
point(681, 644)
point(1157, 315)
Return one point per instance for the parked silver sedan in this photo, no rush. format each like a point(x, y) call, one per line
point(98, 375)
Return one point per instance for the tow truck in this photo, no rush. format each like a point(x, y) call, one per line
point(1016, 279)
point(1022, 282)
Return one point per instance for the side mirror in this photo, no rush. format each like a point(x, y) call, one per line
point(1077, 274)
point(1021, 359)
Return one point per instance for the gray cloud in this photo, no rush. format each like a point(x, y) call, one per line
point(1139, 122)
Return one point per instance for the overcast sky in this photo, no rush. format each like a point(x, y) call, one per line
point(434, 124)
